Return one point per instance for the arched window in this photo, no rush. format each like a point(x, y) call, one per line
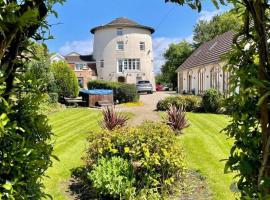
point(226, 76)
point(214, 77)
point(201, 79)
point(189, 81)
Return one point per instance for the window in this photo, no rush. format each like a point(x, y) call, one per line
point(119, 31)
point(120, 65)
point(226, 76)
point(101, 63)
point(142, 46)
point(201, 80)
point(189, 81)
point(214, 78)
point(120, 46)
point(79, 67)
point(128, 64)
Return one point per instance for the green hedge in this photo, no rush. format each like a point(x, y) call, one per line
point(211, 101)
point(122, 92)
point(190, 102)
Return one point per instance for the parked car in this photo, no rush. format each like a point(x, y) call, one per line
point(159, 87)
point(144, 86)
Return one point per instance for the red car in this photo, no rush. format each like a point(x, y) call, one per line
point(159, 87)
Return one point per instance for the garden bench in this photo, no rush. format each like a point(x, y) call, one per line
point(104, 103)
point(74, 100)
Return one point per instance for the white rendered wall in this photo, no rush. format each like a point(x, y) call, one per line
point(105, 41)
point(207, 83)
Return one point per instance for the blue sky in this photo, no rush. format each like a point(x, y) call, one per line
point(172, 22)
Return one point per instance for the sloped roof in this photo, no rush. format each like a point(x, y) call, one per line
point(123, 22)
point(209, 52)
point(79, 58)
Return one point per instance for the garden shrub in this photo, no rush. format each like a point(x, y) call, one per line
point(151, 149)
point(112, 119)
point(113, 177)
point(128, 93)
point(53, 97)
point(176, 119)
point(122, 92)
point(25, 152)
point(211, 101)
point(65, 79)
point(189, 102)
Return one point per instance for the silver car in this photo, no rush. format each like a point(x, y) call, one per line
point(144, 86)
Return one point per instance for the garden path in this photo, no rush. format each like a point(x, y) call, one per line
point(145, 112)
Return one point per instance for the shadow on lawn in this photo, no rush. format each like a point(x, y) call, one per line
point(80, 187)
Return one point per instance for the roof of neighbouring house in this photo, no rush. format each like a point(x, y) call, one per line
point(209, 52)
point(75, 57)
point(123, 22)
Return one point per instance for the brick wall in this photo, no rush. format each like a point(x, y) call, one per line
point(86, 74)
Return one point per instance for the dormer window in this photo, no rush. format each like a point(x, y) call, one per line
point(119, 31)
point(120, 45)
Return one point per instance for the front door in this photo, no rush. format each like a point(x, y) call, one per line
point(80, 81)
point(121, 79)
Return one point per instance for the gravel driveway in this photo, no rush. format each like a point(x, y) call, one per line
point(147, 111)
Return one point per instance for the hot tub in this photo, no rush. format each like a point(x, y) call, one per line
point(96, 96)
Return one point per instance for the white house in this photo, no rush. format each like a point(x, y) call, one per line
point(204, 68)
point(122, 52)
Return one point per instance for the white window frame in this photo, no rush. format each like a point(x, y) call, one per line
point(128, 64)
point(120, 64)
point(118, 44)
point(119, 31)
point(142, 46)
point(81, 68)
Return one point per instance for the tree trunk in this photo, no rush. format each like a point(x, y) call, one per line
point(258, 14)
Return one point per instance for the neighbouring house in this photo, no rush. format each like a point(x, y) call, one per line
point(122, 52)
point(204, 68)
point(84, 66)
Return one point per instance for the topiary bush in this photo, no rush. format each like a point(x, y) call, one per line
point(211, 101)
point(122, 92)
point(189, 102)
point(65, 79)
point(152, 151)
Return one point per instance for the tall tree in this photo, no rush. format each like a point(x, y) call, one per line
point(249, 64)
point(207, 30)
point(175, 55)
point(25, 153)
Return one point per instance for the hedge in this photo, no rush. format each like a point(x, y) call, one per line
point(190, 102)
point(122, 92)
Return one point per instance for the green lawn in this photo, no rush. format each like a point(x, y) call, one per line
point(204, 148)
point(70, 127)
point(203, 144)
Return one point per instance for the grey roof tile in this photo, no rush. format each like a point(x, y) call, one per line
point(209, 52)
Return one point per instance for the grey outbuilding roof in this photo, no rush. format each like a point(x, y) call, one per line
point(123, 22)
point(75, 57)
point(209, 52)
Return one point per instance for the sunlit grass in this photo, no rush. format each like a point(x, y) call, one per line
point(132, 104)
point(70, 127)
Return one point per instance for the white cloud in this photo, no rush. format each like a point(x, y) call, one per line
point(208, 15)
point(160, 45)
point(80, 46)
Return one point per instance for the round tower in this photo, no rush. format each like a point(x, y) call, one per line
point(123, 51)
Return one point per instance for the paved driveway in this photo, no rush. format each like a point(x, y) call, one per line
point(147, 111)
